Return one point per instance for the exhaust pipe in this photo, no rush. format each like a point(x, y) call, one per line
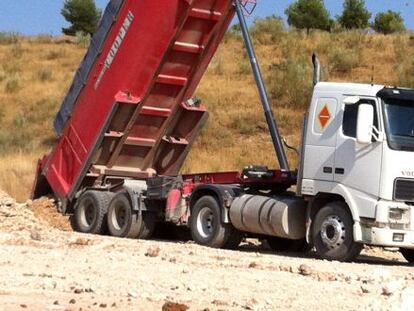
point(316, 69)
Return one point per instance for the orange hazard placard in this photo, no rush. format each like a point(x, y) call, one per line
point(324, 117)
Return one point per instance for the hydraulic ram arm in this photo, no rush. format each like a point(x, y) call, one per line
point(276, 139)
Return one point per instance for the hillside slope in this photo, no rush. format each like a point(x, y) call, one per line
point(36, 72)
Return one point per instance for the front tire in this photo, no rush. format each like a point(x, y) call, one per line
point(332, 232)
point(90, 212)
point(206, 225)
point(408, 254)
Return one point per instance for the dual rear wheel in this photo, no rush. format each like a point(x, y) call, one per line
point(104, 212)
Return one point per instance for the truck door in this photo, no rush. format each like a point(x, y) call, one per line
point(357, 166)
point(321, 138)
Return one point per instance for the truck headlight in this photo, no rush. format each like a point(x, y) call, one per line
point(395, 214)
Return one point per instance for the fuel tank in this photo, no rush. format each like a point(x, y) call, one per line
point(281, 216)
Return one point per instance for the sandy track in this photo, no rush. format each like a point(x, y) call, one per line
point(44, 268)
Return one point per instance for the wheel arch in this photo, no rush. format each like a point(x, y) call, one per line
point(323, 198)
point(315, 204)
point(224, 195)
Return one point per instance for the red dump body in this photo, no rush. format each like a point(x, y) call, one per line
point(131, 116)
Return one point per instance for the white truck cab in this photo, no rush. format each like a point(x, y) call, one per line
point(358, 150)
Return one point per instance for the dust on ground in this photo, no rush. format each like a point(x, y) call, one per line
point(44, 266)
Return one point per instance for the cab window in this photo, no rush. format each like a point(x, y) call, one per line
point(349, 122)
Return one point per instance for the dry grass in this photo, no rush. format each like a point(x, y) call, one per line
point(17, 173)
point(36, 72)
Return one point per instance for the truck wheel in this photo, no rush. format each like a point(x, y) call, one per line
point(90, 212)
point(122, 221)
point(408, 254)
point(332, 233)
point(206, 226)
point(285, 245)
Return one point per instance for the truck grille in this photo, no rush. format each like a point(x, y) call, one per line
point(404, 190)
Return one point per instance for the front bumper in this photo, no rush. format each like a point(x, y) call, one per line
point(387, 237)
point(393, 226)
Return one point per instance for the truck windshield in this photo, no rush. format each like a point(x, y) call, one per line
point(399, 123)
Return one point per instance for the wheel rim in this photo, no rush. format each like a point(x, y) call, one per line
point(119, 216)
point(88, 216)
point(333, 232)
point(205, 223)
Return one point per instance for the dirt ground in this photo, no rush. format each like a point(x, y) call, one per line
point(45, 266)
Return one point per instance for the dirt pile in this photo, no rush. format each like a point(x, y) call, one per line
point(46, 210)
point(15, 217)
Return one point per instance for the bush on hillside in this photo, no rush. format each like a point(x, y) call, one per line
point(388, 22)
point(291, 81)
point(83, 15)
point(355, 15)
point(12, 84)
point(343, 61)
point(45, 75)
point(309, 14)
point(268, 30)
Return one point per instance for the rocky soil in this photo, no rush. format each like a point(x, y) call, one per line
point(45, 266)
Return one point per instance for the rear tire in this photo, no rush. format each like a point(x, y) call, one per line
point(206, 225)
point(90, 212)
point(122, 221)
point(285, 245)
point(408, 254)
point(332, 233)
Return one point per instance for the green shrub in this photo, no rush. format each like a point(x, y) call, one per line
point(12, 84)
point(268, 30)
point(388, 22)
point(343, 61)
point(45, 75)
point(291, 81)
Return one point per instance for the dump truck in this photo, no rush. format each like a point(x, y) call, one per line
point(130, 118)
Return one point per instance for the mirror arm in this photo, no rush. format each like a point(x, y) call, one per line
point(377, 134)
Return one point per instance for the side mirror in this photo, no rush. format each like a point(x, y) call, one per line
point(365, 124)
